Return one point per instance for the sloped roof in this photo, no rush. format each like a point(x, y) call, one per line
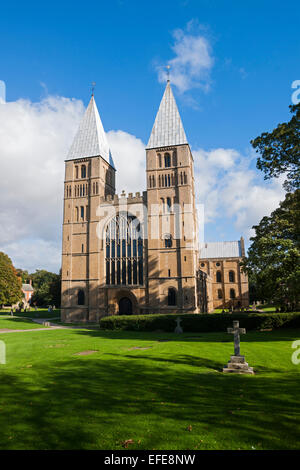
point(220, 250)
point(27, 287)
point(90, 139)
point(168, 128)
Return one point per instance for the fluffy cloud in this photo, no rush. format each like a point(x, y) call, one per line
point(34, 141)
point(130, 161)
point(34, 138)
point(193, 60)
point(228, 187)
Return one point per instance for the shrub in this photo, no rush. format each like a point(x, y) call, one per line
point(199, 322)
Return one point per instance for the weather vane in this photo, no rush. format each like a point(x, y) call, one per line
point(93, 87)
point(168, 71)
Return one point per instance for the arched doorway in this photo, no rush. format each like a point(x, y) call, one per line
point(125, 306)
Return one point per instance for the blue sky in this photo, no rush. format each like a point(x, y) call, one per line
point(58, 49)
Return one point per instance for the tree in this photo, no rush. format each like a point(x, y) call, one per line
point(46, 288)
point(274, 256)
point(10, 283)
point(280, 151)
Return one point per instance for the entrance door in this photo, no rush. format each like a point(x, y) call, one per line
point(125, 306)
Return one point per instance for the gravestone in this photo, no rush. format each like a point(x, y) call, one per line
point(237, 363)
point(178, 328)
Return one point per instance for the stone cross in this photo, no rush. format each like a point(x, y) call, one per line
point(236, 330)
point(178, 328)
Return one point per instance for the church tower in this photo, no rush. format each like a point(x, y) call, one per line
point(89, 176)
point(172, 220)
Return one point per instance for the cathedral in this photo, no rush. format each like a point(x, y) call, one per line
point(139, 253)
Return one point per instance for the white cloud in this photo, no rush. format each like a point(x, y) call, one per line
point(130, 160)
point(193, 60)
point(34, 138)
point(229, 187)
point(34, 141)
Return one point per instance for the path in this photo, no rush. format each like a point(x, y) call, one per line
point(52, 326)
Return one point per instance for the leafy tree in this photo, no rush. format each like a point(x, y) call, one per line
point(274, 256)
point(46, 288)
point(23, 275)
point(10, 283)
point(280, 151)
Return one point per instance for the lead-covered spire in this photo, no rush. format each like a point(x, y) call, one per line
point(90, 139)
point(168, 129)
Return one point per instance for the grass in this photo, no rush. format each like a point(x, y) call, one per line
point(170, 395)
point(22, 321)
point(39, 313)
point(17, 323)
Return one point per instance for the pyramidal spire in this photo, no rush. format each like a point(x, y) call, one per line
point(90, 139)
point(168, 129)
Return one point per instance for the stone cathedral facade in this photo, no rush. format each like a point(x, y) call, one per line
point(139, 253)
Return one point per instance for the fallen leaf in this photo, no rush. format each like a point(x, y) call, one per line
point(127, 442)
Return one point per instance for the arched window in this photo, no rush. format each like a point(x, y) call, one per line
point(76, 172)
point(153, 181)
point(159, 160)
point(174, 159)
point(232, 293)
point(124, 251)
point(220, 294)
point(168, 240)
point(171, 296)
point(83, 171)
point(184, 177)
point(166, 181)
point(150, 181)
point(167, 160)
point(159, 182)
point(231, 276)
point(218, 276)
point(76, 214)
point(169, 181)
point(80, 297)
point(168, 204)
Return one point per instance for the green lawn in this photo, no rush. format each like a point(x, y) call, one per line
point(39, 313)
point(170, 395)
point(17, 323)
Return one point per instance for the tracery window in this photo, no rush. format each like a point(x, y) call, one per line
point(124, 251)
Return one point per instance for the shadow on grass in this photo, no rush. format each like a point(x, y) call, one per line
point(97, 403)
point(15, 320)
point(249, 337)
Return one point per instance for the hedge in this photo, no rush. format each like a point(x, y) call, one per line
point(199, 322)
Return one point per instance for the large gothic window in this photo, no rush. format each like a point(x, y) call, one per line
point(124, 251)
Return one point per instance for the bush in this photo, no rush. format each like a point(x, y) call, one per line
point(199, 322)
